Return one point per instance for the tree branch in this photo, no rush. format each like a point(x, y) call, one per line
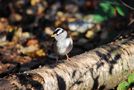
point(98, 69)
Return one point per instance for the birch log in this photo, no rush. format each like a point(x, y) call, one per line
point(99, 69)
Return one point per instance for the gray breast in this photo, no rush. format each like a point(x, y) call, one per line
point(64, 47)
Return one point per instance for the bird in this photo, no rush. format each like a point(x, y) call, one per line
point(63, 43)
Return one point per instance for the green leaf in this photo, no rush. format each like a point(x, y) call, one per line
point(105, 6)
point(106, 9)
point(131, 78)
point(111, 12)
point(98, 18)
point(120, 11)
point(123, 86)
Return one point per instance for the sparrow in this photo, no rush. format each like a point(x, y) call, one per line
point(63, 43)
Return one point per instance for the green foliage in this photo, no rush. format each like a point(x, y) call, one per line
point(123, 86)
point(108, 9)
point(120, 11)
point(131, 78)
point(98, 18)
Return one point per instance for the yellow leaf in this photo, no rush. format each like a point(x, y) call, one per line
point(89, 34)
point(40, 52)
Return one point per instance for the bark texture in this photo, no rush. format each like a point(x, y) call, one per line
point(99, 69)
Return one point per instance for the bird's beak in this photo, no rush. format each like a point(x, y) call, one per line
point(53, 35)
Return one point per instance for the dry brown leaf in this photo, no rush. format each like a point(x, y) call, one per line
point(40, 53)
point(32, 42)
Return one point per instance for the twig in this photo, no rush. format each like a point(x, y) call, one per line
point(126, 5)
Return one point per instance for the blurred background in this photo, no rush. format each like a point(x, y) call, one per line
point(26, 27)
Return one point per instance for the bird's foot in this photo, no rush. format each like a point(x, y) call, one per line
point(68, 58)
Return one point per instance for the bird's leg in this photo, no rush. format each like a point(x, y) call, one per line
point(57, 59)
point(68, 57)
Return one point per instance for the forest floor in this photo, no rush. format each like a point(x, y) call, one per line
point(26, 27)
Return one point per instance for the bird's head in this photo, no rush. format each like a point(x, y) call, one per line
point(59, 34)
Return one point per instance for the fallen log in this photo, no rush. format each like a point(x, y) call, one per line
point(99, 69)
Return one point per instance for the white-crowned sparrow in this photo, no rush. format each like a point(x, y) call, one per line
point(63, 42)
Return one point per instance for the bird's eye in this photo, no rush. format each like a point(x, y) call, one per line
point(58, 31)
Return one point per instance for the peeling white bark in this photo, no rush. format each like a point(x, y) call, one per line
point(101, 68)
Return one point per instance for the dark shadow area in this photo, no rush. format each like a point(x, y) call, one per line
point(61, 83)
point(27, 80)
